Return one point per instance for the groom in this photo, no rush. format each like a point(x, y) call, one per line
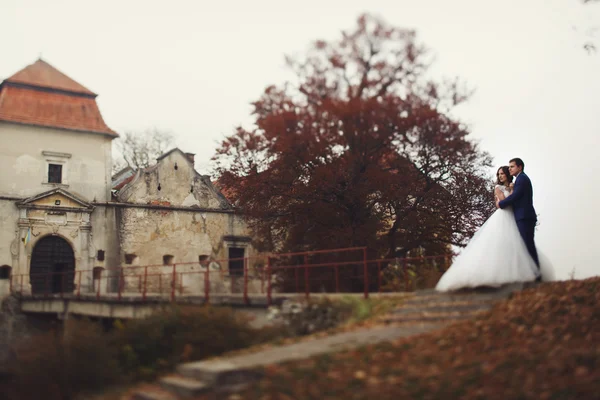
point(522, 201)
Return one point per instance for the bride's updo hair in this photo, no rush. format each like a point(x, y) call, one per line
point(509, 177)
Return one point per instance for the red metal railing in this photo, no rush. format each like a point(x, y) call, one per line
point(336, 271)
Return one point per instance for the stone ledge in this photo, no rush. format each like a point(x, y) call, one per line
point(184, 386)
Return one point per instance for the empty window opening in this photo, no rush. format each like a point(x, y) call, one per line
point(204, 260)
point(5, 272)
point(130, 258)
point(54, 173)
point(236, 261)
point(100, 255)
point(168, 259)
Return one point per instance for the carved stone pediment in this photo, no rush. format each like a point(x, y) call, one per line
point(58, 200)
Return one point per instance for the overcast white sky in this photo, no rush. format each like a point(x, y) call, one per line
point(194, 68)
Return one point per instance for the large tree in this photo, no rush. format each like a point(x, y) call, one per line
point(359, 150)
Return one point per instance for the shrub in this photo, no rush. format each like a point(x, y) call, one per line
point(177, 334)
point(306, 317)
point(84, 358)
point(303, 317)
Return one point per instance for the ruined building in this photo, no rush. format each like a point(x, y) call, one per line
point(62, 212)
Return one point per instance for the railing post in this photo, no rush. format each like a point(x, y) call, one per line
point(306, 283)
point(99, 285)
point(47, 292)
point(419, 270)
point(207, 285)
point(173, 282)
point(337, 278)
point(181, 283)
point(297, 272)
point(366, 273)
point(120, 283)
point(79, 283)
point(262, 280)
point(63, 278)
point(145, 283)
point(269, 272)
point(405, 266)
point(246, 281)
point(139, 284)
point(379, 276)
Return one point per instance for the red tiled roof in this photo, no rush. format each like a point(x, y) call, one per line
point(124, 182)
point(43, 96)
point(42, 74)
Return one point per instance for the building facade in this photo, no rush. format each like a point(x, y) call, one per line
point(65, 220)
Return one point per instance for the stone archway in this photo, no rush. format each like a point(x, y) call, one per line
point(52, 266)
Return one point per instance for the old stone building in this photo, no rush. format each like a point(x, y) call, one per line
point(60, 215)
point(169, 214)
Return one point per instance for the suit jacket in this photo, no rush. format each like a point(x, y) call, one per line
point(521, 199)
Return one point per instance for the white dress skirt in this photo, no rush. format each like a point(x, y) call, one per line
point(496, 255)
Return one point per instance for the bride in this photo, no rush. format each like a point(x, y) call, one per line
point(496, 255)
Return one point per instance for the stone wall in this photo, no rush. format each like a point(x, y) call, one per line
point(169, 214)
point(9, 215)
point(86, 172)
point(86, 160)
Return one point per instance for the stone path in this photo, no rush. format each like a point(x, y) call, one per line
point(425, 311)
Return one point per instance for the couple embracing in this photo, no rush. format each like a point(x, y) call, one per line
point(503, 250)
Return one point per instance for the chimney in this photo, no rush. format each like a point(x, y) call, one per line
point(190, 156)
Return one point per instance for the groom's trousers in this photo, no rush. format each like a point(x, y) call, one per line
point(527, 231)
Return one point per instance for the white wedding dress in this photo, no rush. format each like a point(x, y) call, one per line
point(496, 255)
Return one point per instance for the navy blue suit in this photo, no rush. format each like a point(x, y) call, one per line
point(521, 200)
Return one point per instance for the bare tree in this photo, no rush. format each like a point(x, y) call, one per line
point(141, 149)
point(589, 45)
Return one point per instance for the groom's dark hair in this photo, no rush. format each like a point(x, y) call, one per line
point(518, 162)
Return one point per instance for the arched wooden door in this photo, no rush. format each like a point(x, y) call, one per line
point(52, 266)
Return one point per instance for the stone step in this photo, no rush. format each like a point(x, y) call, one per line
point(154, 393)
point(458, 297)
point(184, 386)
point(224, 376)
point(444, 307)
point(448, 302)
point(425, 316)
point(494, 292)
point(428, 319)
point(232, 373)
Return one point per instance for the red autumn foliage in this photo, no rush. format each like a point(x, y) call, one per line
point(359, 150)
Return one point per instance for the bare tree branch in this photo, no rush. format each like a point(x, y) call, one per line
point(141, 149)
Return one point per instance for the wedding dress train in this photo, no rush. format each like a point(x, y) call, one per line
point(496, 255)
